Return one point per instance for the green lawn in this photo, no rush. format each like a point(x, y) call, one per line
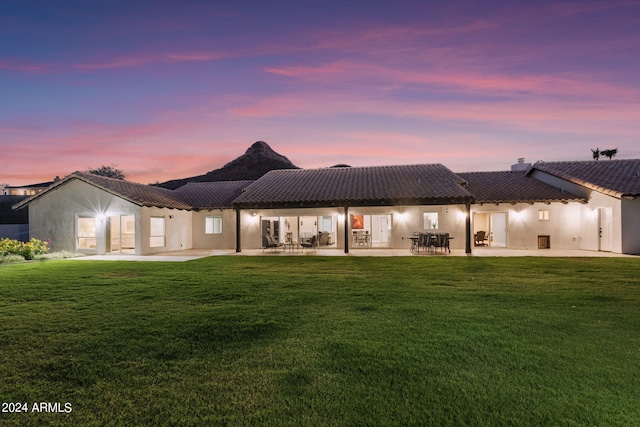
point(323, 341)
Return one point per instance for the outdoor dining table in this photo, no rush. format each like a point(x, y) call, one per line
point(427, 240)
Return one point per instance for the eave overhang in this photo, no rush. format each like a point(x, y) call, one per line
point(353, 203)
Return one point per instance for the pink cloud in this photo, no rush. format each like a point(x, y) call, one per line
point(145, 59)
point(25, 66)
point(527, 114)
point(462, 81)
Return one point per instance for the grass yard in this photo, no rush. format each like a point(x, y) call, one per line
point(323, 341)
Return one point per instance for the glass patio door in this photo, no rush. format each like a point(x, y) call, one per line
point(121, 234)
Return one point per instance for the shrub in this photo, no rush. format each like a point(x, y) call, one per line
point(26, 250)
point(11, 258)
point(58, 255)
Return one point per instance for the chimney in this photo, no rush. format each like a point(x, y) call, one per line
point(520, 166)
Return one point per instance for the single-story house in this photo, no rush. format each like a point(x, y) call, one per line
point(593, 205)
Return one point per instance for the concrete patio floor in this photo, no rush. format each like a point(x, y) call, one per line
point(191, 254)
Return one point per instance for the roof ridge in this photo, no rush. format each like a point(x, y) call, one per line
point(355, 167)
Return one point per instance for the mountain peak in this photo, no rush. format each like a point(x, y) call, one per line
point(259, 153)
point(255, 162)
point(259, 146)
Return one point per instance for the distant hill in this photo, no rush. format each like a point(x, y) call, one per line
point(255, 162)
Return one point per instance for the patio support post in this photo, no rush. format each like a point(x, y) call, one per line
point(467, 208)
point(238, 248)
point(346, 229)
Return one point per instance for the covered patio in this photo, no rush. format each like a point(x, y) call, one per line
point(192, 254)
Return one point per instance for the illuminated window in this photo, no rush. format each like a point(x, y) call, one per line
point(156, 232)
point(543, 215)
point(213, 225)
point(430, 220)
point(86, 233)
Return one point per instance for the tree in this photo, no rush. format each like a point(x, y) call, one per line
point(609, 153)
point(596, 153)
point(110, 171)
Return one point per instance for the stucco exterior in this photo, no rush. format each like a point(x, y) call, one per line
point(178, 229)
point(631, 219)
point(602, 218)
point(53, 216)
point(523, 226)
point(224, 240)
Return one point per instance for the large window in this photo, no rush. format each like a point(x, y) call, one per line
point(430, 220)
point(86, 232)
point(213, 225)
point(157, 236)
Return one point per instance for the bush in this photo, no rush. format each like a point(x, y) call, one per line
point(58, 255)
point(11, 258)
point(27, 250)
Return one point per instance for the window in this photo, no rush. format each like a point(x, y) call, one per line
point(86, 233)
point(543, 215)
point(213, 225)
point(430, 220)
point(156, 233)
point(326, 223)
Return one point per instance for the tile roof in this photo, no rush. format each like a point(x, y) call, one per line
point(356, 186)
point(139, 194)
point(617, 178)
point(513, 187)
point(209, 195)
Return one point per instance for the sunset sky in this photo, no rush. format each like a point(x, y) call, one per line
point(170, 89)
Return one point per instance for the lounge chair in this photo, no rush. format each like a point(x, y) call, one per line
point(268, 241)
point(311, 243)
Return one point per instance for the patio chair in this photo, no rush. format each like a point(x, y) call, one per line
point(443, 242)
point(426, 240)
point(481, 238)
point(269, 242)
point(311, 243)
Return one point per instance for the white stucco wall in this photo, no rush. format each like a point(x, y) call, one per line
point(631, 220)
point(178, 230)
point(590, 222)
point(625, 217)
point(53, 216)
point(524, 227)
point(226, 240)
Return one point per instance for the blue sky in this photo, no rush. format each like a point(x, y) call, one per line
point(168, 89)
